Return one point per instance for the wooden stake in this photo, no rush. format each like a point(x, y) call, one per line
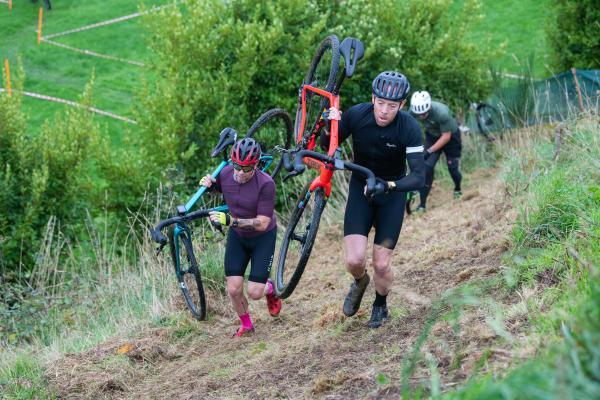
point(574, 72)
point(10, 4)
point(7, 69)
point(41, 14)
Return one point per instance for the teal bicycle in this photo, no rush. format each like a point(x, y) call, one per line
point(272, 130)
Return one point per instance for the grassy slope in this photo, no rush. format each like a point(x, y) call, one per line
point(556, 248)
point(520, 24)
point(312, 350)
point(62, 73)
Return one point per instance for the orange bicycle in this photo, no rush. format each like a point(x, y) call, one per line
point(318, 92)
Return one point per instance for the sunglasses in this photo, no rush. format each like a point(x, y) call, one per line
point(244, 168)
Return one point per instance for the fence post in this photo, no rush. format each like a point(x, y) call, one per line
point(10, 4)
point(7, 69)
point(41, 14)
point(574, 72)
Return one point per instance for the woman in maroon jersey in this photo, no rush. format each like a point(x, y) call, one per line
point(250, 195)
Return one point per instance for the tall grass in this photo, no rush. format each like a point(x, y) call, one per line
point(554, 254)
point(86, 291)
point(555, 247)
point(23, 378)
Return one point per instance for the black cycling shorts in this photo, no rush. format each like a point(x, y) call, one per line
point(385, 212)
point(452, 149)
point(258, 249)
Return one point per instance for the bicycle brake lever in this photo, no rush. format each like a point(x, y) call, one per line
point(218, 226)
point(287, 162)
point(378, 188)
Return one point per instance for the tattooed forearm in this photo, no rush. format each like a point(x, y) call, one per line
point(257, 224)
point(250, 225)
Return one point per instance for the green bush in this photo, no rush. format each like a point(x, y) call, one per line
point(63, 172)
point(574, 34)
point(43, 176)
point(423, 40)
point(224, 63)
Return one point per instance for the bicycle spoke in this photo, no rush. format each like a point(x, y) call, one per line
point(273, 131)
point(297, 245)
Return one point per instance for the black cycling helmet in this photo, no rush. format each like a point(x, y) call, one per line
point(245, 152)
point(391, 85)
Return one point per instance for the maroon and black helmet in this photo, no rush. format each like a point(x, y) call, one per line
point(245, 152)
point(391, 85)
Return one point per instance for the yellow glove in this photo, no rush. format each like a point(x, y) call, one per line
point(220, 218)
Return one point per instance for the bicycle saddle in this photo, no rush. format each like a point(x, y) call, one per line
point(227, 137)
point(352, 50)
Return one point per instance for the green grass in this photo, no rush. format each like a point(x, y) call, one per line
point(24, 379)
point(519, 24)
point(556, 248)
point(62, 73)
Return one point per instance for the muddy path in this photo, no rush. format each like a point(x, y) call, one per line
point(311, 350)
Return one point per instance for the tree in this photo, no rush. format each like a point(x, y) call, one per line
point(52, 174)
point(224, 63)
point(574, 34)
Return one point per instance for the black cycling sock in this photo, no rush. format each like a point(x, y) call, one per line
point(380, 300)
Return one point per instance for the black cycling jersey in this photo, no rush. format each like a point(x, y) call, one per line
point(384, 150)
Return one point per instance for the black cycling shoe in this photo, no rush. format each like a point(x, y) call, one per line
point(355, 295)
point(379, 316)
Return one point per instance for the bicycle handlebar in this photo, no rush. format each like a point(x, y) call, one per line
point(161, 239)
point(373, 185)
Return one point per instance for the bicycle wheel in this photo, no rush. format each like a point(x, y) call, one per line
point(298, 240)
point(322, 74)
point(489, 119)
point(273, 128)
point(187, 272)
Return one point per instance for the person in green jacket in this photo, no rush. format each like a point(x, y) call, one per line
point(441, 135)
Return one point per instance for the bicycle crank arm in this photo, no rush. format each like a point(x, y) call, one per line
point(160, 248)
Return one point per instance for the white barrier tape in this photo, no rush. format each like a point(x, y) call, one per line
point(92, 53)
point(513, 76)
point(73, 104)
point(4, 1)
point(104, 23)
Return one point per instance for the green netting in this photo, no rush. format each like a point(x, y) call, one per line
point(521, 102)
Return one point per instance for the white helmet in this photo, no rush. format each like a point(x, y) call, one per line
point(420, 102)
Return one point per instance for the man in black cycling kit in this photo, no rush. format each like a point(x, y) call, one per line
point(441, 135)
point(384, 139)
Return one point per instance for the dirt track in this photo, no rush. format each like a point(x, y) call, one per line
point(312, 351)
